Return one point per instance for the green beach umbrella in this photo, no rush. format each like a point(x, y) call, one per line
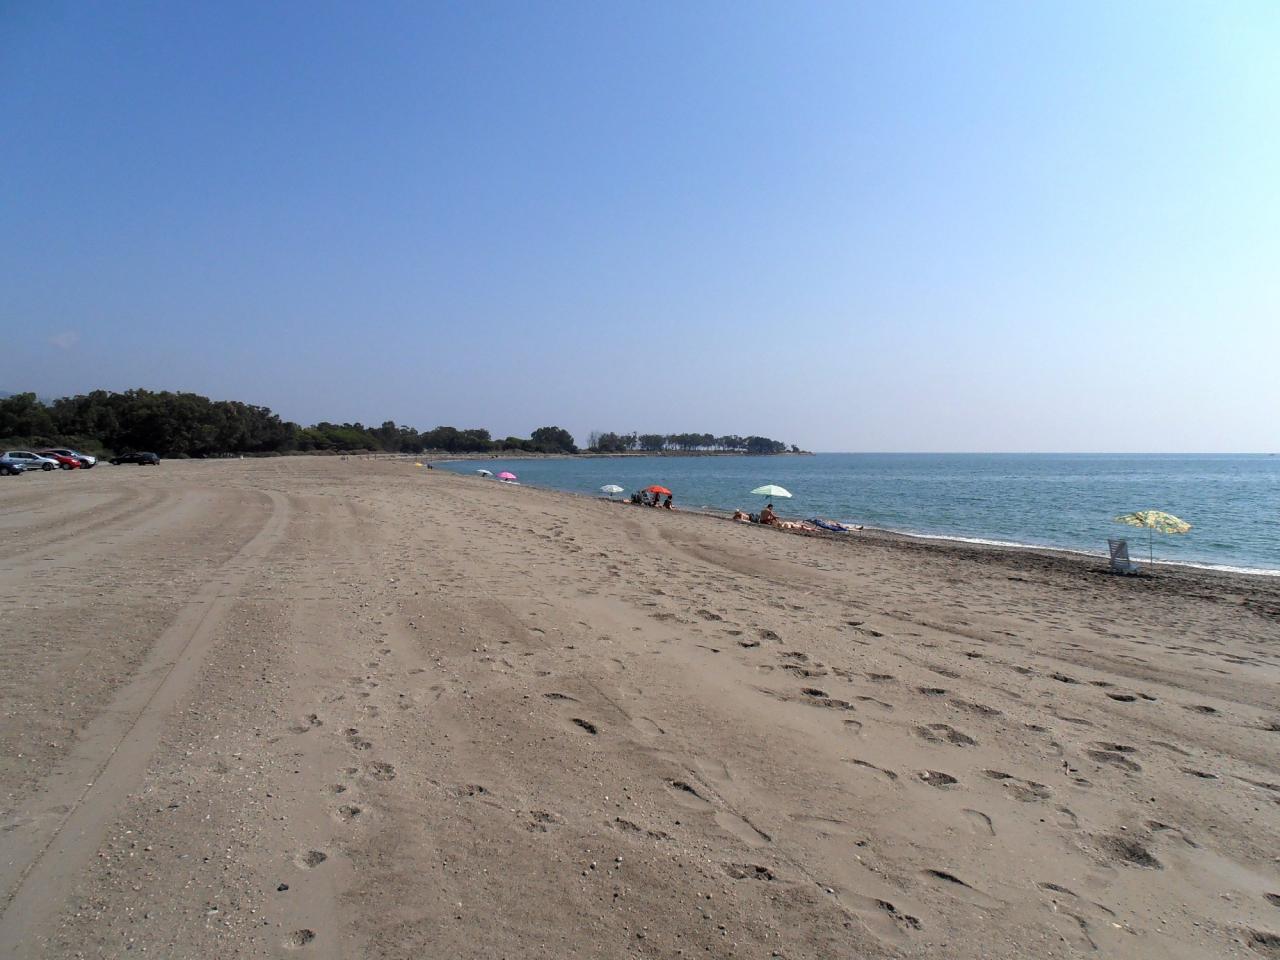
point(772, 490)
point(1156, 521)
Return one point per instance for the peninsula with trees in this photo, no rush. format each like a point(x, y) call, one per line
point(175, 424)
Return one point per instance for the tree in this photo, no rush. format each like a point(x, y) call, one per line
point(22, 415)
point(554, 440)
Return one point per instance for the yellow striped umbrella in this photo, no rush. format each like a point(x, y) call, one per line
point(1155, 521)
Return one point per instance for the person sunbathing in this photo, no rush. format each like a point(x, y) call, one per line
point(767, 515)
point(741, 517)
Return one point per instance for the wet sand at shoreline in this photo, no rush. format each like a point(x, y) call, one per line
point(454, 718)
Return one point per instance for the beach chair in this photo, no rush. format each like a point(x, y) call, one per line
point(1120, 562)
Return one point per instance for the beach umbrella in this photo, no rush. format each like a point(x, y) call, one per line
point(611, 489)
point(485, 473)
point(1156, 521)
point(772, 490)
point(657, 489)
point(506, 475)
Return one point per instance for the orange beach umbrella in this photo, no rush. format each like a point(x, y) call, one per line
point(657, 489)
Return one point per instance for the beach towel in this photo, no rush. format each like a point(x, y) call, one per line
point(829, 525)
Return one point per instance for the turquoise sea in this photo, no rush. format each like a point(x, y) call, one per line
point(1054, 500)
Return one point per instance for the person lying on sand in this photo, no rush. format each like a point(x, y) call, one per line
point(741, 517)
point(768, 516)
point(796, 526)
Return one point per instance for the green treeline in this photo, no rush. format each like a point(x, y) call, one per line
point(683, 442)
point(187, 424)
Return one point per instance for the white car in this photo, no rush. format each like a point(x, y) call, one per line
point(31, 461)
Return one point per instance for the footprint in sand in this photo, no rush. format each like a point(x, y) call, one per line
point(298, 939)
point(1264, 943)
point(748, 871)
point(1115, 760)
point(1202, 774)
point(887, 774)
point(981, 709)
point(311, 721)
point(942, 732)
point(742, 828)
point(1128, 851)
point(688, 794)
point(1027, 791)
point(647, 726)
point(882, 917)
point(541, 820)
point(311, 859)
point(936, 778)
point(979, 822)
point(348, 812)
point(955, 885)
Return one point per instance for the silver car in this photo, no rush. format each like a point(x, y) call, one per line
point(32, 461)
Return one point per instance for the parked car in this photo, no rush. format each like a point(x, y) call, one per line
point(64, 461)
point(141, 459)
point(86, 460)
point(32, 461)
point(10, 467)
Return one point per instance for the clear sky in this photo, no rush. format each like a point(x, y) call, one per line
point(879, 226)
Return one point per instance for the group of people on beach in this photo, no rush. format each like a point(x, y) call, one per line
point(644, 498)
point(766, 516)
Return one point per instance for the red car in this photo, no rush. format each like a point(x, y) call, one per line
point(65, 462)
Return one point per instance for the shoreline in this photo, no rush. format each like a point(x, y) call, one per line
point(889, 533)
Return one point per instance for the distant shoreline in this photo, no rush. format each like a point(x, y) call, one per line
point(436, 457)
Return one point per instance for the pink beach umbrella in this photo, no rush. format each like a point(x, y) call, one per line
point(506, 475)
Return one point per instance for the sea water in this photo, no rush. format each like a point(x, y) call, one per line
point(1067, 501)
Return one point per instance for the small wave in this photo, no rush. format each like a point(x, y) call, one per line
point(982, 541)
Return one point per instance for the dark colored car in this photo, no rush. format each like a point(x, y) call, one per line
point(10, 467)
point(141, 459)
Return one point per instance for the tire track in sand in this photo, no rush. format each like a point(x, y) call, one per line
point(40, 862)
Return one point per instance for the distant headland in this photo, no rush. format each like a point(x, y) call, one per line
point(190, 425)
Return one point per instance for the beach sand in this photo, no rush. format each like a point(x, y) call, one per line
point(325, 708)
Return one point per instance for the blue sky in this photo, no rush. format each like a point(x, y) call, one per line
point(915, 226)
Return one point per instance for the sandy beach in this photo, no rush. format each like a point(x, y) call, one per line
point(326, 708)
